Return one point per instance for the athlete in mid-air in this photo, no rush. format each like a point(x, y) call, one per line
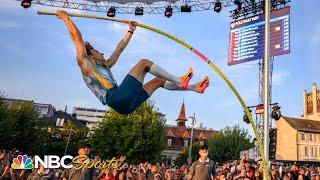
point(131, 93)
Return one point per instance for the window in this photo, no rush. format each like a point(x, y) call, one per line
point(169, 142)
point(59, 122)
point(186, 143)
point(303, 136)
point(201, 143)
point(306, 151)
point(311, 151)
point(310, 135)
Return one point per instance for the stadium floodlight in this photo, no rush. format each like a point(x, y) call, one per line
point(111, 12)
point(217, 6)
point(26, 3)
point(238, 3)
point(276, 113)
point(186, 8)
point(138, 11)
point(168, 12)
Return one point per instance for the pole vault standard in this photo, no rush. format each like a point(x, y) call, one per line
point(266, 85)
point(201, 56)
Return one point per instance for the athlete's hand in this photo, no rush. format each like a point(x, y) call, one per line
point(62, 14)
point(132, 27)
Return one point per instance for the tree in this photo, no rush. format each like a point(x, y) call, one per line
point(183, 156)
point(53, 140)
point(20, 128)
point(17, 124)
point(227, 144)
point(138, 135)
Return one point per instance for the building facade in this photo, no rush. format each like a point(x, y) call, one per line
point(89, 116)
point(43, 110)
point(179, 136)
point(298, 139)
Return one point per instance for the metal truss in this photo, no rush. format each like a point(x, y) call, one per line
point(250, 8)
point(129, 8)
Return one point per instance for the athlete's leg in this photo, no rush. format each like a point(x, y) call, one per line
point(140, 70)
point(155, 83)
point(198, 87)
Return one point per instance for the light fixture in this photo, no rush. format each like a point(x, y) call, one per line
point(26, 3)
point(111, 12)
point(238, 3)
point(259, 109)
point(245, 118)
point(186, 8)
point(217, 6)
point(138, 11)
point(276, 113)
point(168, 12)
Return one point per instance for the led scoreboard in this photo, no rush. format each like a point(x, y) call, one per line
point(247, 37)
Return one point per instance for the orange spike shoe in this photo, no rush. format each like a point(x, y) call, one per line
point(185, 79)
point(202, 85)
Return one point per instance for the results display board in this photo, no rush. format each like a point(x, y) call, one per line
point(246, 41)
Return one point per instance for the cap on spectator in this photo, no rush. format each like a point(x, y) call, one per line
point(204, 147)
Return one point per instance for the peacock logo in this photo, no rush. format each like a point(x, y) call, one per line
point(22, 162)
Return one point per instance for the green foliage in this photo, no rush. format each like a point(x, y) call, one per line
point(227, 144)
point(183, 156)
point(138, 135)
point(20, 128)
point(53, 139)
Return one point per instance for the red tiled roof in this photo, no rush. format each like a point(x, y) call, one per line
point(201, 136)
point(170, 133)
point(186, 135)
point(178, 132)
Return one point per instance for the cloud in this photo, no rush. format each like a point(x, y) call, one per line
point(9, 5)
point(279, 77)
point(11, 47)
point(315, 38)
point(116, 27)
point(121, 28)
point(8, 24)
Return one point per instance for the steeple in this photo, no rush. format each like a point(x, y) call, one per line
point(181, 117)
point(312, 103)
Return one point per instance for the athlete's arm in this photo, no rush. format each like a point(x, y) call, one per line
point(120, 47)
point(85, 65)
point(74, 33)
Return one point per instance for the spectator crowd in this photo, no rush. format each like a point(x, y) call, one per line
point(202, 169)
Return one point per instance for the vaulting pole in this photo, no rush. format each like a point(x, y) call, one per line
point(200, 55)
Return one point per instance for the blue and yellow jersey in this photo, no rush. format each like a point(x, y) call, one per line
point(101, 81)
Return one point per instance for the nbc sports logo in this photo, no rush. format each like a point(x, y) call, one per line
point(22, 162)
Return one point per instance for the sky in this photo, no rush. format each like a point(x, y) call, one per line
point(38, 61)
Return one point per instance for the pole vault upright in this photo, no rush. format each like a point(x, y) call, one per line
point(266, 84)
